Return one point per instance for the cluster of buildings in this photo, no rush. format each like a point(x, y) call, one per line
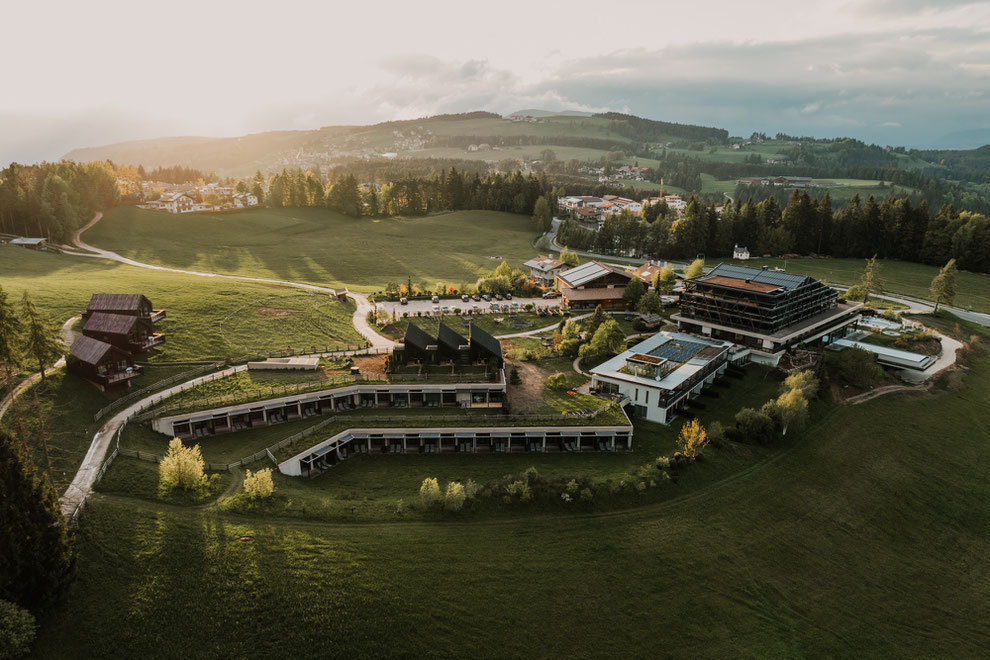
point(592, 211)
point(780, 181)
point(119, 326)
point(193, 199)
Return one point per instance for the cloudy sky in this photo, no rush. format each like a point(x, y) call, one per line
point(887, 71)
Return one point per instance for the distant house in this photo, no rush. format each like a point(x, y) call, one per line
point(588, 214)
point(592, 284)
point(544, 270)
point(740, 253)
point(648, 271)
point(244, 200)
point(101, 363)
point(132, 334)
point(176, 203)
point(35, 244)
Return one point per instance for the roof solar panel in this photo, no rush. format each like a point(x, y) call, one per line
point(786, 280)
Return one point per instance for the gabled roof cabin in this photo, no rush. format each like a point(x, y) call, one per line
point(130, 333)
point(101, 363)
point(129, 304)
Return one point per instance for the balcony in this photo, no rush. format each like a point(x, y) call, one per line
point(156, 315)
point(146, 344)
point(121, 376)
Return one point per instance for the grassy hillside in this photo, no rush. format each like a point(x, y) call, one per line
point(865, 537)
point(206, 317)
point(322, 247)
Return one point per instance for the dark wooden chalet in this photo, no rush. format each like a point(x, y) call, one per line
point(128, 304)
point(592, 284)
point(451, 347)
point(418, 346)
point(130, 333)
point(485, 348)
point(101, 363)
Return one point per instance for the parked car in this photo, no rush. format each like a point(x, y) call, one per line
point(436, 308)
point(487, 298)
point(498, 296)
point(403, 301)
point(496, 307)
point(550, 294)
point(508, 296)
point(445, 309)
point(476, 297)
point(436, 299)
point(465, 297)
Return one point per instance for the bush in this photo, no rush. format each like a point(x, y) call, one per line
point(716, 434)
point(586, 495)
point(514, 378)
point(755, 426)
point(17, 630)
point(557, 381)
point(429, 492)
point(258, 485)
point(518, 491)
point(182, 467)
point(471, 489)
point(453, 499)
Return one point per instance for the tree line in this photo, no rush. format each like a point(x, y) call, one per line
point(52, 200)
point(894, 228)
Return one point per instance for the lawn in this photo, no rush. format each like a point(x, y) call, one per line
point(864, 536)
point(973, 289)
point(319, 246)
point(206, 317)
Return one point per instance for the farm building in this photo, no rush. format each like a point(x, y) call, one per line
point(766, 311)
point(592, 284)
point(128, 304)
point(740, 253)
point(133, 334)
point(101, 363)
point(35, 244)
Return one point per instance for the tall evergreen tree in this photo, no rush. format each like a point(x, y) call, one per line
point(10, 331)
point(36, 562)
point(40, 337)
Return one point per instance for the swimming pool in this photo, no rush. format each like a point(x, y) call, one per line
point(880, 323)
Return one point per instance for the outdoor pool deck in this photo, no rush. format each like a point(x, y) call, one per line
point(891, 357)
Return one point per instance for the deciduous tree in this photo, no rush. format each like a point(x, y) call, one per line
point(871, 282)
point(943, 289)
point(692, 439)
point(696, 268)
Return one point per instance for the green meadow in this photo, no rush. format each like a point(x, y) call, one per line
point(864, 535)
point(318, 246)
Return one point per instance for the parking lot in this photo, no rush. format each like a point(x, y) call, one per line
point(448, 305)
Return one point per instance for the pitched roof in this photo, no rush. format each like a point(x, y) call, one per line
point(89, 350)
point(587, 272)
point(416, 336)
point(115, 324)
point(115, 302)
point(27, 241)
point(449, 338)
point(485, 341)
point(647, 271)
point(787, 281)
point(544, 263)
point(594, 293)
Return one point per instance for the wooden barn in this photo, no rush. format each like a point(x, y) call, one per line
point(101, 363)
point(127, 304)
point(133, 334)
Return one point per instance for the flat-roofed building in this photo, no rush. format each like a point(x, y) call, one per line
point(767, 311)
point(659, 375)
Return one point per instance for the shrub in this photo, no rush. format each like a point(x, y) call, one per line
point(17, 630)
point(663, 462)
point(429, 492)
point(471, 489)
point(716, 434)
point(557, 381)
point(755, 426)
point(182, 467)
point(587, 495)
point(519, 491)
point(532, 475)
point(258, 485)
point(453, 499)
point(571, 488)
point(693, 439)
point(801, 380)
point(514, 378)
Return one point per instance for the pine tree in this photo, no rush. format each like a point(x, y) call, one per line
point(10, 330)
point(41, 340)
point(35, 552)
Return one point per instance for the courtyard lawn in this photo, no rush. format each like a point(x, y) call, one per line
point(319, 246)
point(855, 539)
point(206, 317)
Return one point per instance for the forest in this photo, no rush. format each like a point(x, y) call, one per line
point(891, 229)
